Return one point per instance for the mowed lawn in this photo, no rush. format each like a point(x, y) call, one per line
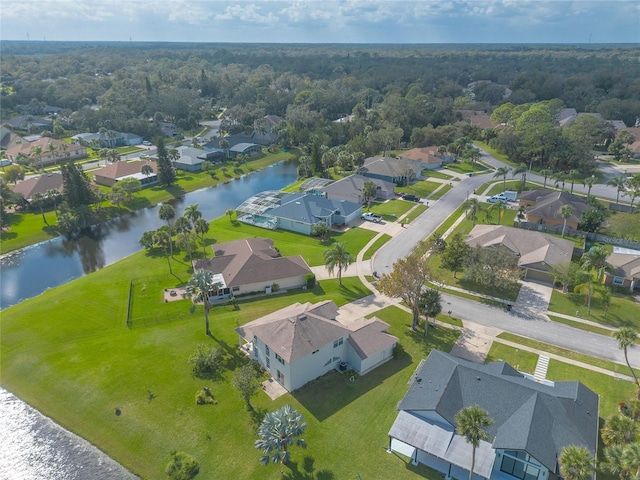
point(70, 354)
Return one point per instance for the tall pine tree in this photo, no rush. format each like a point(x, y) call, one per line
point(76, 186)
point(166, 174)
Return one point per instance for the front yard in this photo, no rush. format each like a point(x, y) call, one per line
point(624, 309)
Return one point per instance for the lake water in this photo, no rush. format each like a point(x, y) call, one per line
point(29, 272)
point(32, 446)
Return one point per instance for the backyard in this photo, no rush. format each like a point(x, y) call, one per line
point(82, 354)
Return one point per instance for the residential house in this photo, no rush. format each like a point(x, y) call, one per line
point(168, 129)
point(265, 139)
point(566, 116)
point(395, 170)
point(428, 157)
point(617, 125)
point(249, 149)
point(532, 422)
point(114, 172)
point(9, 139)
point(62, 151)
point(299, 212)
point(270, 122)
point(111, 139)
point(537, 252)
point(40, 184)
point(191, 159)
point(542, 207)
point(253, 265)
point(29, 123)
point(626, 270)
point(474, 117)
point(350, 189)
point(301, 342)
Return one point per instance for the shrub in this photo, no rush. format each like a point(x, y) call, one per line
point(204, 396)
point(206, 361)
point(310, 281)
point(398, 351)
point(182, 466)
point(275, 287)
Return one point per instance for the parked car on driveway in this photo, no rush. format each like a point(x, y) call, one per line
point(411, 197)
point(146, 143)
point(497, 198)
point(371, 217)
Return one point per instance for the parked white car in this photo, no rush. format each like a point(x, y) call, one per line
point(497, 198)
point(371, 217)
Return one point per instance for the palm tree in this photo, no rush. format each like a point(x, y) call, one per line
point(339, 257)
point(202, 227)
point(161, 238)
point(167, 213)
point(472, 422)
point(572, 176)
point(560, 178)
point(38, 201)
point(502, 172)
point(546, 173)
point(146, 170)
point(623, 460)
point(230, 213)
point(472, 207)
point(277, 432)
point(620, 182)
point(192, 213)
point(224, 145)
point(369, 191)
point(430, 305)
point(55, 196)
point(589, 182)
point(522, 170)
point(627, 337)
point(35, 154)
point(596, 259)
point(500, 208)
point(183, 228)
point(51, 148)
point(305, 164)
point(201, 288)
point(565, 212)
point(173, 155)
point(618, 430)
point(576, 463)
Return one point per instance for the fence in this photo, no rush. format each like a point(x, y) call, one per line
point(620, 242)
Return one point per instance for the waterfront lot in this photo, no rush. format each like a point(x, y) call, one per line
point(70, 354)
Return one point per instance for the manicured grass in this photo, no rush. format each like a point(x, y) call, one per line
point(521, 360)
point(580, 357)
point(465, 167)
point(24, 229)
point(290, 243)
point(128, 150)
point(421, 189)
point(623, 310)
point(582, 326)
point(376, 246)
point(438, 174)
point(511, 185)
point(76, 361)
point(391, 209)
point(467, 295)
point(494, 153)
point(440, 192)
point(294, 187)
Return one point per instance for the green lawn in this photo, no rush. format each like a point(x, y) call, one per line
point(465, 167)
point(76, 351)
point(391, 209)
point(290, 243)
point(494, 153)
point(376, 246)
point(623, 310)
point(438, 194)
point(511, 185)
point(25, 229)
point(421, 189)
point(437, 174)
point(521, 360)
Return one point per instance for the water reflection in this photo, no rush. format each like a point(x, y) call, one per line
point(31, 271)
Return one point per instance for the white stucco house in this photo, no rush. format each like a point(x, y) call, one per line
point(301, 342)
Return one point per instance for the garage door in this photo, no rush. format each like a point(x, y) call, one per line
point(538, 276)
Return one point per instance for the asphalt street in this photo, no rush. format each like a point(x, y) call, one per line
point(528, 324)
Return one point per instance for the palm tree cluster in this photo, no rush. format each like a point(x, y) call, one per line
point(278, 431)
point(620, 437)
point(626, 186)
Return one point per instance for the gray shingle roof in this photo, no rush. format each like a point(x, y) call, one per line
point(549, 204)
point(533, 248)
point(390, 167)
point(627, 266)
point(537, 418)
point(310, 209)
point(351, 186)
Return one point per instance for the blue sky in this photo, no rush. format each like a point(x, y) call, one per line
point(324, 21)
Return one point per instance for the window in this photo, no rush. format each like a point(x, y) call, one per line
point(338, 342)
point(516, 463)
point(280, 359)
point(267, 352)
point(314, 352)
point(268, 363)
point(236, 289)
point(618, 280)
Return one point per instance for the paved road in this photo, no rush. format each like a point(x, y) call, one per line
point(528, 324)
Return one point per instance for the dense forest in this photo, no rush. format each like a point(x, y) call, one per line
point(400, 95)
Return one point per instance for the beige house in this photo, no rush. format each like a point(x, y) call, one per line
point(301, 342)
point(542, 207)
point(626, 271)
point(117, 171)
point(253, 265)
point(427, 156)
point(537, 252)
point(62, 151)
point(390, 169)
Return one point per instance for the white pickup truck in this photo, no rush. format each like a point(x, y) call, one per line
point(372, 217)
